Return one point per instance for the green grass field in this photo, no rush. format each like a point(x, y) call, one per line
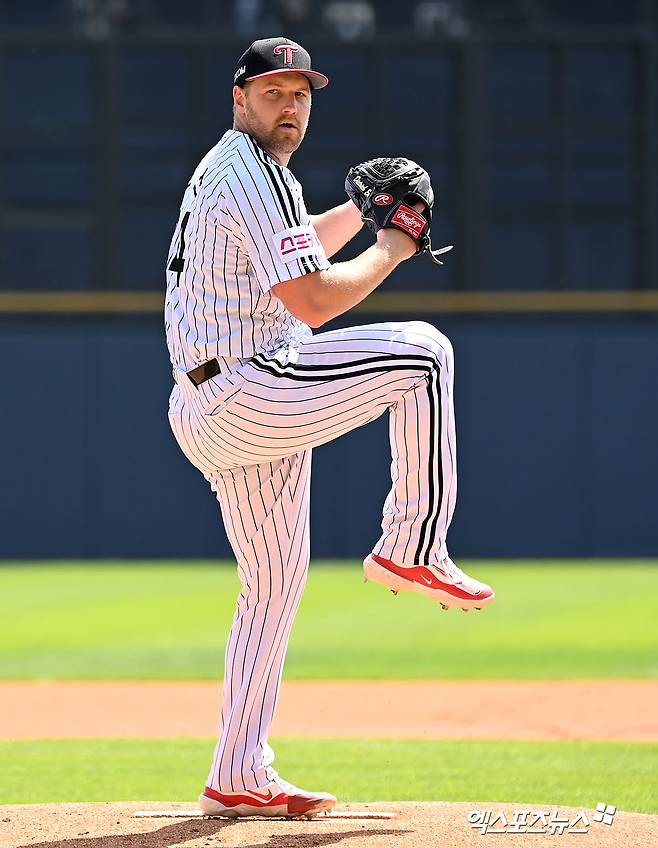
point(154, 621)
point(578, 774)
point(137, 621)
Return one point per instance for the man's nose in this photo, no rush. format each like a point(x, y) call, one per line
point(290, 103)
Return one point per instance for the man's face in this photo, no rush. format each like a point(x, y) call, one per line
point(275, 111)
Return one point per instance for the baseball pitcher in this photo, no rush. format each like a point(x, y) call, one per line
point(249, 273)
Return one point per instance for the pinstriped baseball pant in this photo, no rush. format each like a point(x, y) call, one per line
point(256, 454)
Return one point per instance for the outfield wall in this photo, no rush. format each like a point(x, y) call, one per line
point(557, 438)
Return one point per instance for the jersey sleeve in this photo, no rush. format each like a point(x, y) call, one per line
point(263, 211)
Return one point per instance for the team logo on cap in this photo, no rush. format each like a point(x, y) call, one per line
point(288, 49)
point(239, 72)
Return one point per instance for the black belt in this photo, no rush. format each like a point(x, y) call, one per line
point(204, 372)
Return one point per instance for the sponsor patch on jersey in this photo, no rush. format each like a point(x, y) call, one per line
point(297, 242)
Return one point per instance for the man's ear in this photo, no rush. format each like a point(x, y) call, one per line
point(238, 97)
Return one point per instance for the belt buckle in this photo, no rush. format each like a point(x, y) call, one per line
point(204, 372)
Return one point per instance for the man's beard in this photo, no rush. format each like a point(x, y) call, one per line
point(275, 139)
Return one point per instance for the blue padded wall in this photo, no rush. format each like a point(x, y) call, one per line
point(556, 443)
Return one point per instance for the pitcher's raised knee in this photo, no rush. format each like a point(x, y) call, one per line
point(434, 341)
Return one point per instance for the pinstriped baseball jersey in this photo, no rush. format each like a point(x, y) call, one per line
point(242, 228)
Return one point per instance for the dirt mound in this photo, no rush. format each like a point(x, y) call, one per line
point(412, 826)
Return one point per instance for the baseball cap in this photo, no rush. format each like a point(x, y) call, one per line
point(270, 56)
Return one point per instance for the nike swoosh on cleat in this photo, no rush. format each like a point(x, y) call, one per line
point(267, 797)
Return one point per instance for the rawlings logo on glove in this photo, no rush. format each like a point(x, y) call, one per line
point(409, 220)
point(385, 190)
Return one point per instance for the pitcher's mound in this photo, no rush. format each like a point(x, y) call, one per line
point(414, 825)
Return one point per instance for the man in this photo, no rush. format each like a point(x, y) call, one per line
point(255, 391)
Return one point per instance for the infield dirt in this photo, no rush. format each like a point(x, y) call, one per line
point(445, 709)
point(566, 709)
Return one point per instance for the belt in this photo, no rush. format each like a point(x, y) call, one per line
point(204, 372)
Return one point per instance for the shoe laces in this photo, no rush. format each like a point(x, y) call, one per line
point(448, 567)
point(287, 787)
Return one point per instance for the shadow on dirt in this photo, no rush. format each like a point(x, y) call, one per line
point(180, 832)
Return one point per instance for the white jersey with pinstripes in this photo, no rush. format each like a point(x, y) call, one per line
point(243, 227)
point(281, 391)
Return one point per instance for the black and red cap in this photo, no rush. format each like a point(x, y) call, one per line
point(270, 56)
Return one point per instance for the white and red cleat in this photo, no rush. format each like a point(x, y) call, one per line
point(278, 798)
point(445, 583)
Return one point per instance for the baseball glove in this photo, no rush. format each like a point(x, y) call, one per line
point(385, 189)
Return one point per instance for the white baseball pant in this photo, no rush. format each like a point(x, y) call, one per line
point(256, 454)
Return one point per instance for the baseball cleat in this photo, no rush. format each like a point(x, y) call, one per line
point(445, 582)
point(279, 798)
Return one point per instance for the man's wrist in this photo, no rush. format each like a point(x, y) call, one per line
point(399, 245)
point(354, 212)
